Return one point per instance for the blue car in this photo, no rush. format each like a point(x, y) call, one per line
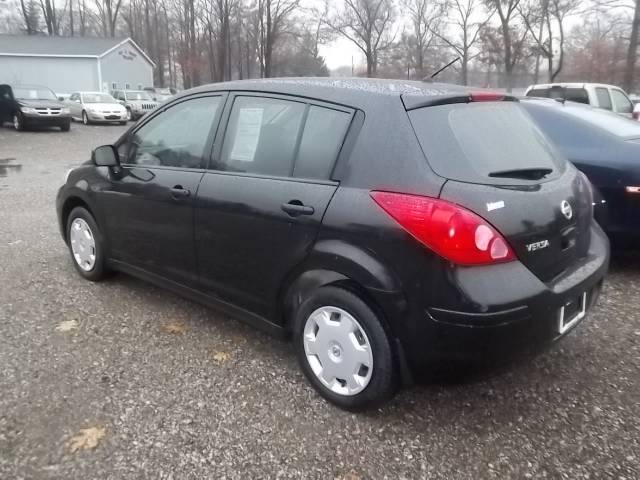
point(606, 147)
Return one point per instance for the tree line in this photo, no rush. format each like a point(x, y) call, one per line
point(497, 43)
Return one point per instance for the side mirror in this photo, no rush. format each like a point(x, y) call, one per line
point(61, 99)
point(105, 156)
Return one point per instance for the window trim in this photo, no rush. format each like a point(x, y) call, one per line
point(224, 124)
point(208, 146)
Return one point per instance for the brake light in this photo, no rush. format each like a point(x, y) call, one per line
point(486, 97)
point(636, 115)
point(450, 230)
point(633, 189)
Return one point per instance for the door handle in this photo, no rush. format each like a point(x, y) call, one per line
point(296, 207)
point(179, 192)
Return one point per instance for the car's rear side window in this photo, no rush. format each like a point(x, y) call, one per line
point(324, 132)
point(474, 142)
point(604, 100)
point(538, 92)
point(622, 103)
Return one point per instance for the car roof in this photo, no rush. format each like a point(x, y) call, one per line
point(348, 91)
point(572, 85)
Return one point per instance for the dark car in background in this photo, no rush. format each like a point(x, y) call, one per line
point(32, 105)
point(383, 225)
point(606, 147)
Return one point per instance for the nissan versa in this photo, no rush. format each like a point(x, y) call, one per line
point(385, 226)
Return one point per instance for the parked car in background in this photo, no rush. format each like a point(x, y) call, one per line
point(606, 147)
point(136, 102)
point(383, 225)
point(606, 97)
point(98, 107)
point(161, 94)
point(32, 105)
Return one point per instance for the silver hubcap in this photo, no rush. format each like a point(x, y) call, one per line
point(16, 122)
point(83, 245)
point(85, 119)
point(128, 114)
point(338, 351)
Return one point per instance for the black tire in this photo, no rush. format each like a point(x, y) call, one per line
point(18, 122)
point(65, 127)
point(99, 270)
point(384, 379)
point(130, 115)
point(122, 123)
point(85, 118)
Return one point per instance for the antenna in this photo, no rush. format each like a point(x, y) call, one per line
point(434, 75)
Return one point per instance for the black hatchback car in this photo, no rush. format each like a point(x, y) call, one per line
point(384, 225)
point(32, 106)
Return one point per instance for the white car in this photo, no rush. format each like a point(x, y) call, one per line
point(96, 107)
point(607, 97)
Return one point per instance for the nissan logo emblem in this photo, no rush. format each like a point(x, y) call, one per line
point(566, 209)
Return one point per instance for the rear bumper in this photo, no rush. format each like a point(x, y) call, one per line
point(514, 310)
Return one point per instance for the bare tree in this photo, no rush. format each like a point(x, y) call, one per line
point(512, 36)
point(31, 16)
point(366, 23)
point(466, 20)
point(545, 21)
point(424, 16)
point(108, 10)
point(272, 15)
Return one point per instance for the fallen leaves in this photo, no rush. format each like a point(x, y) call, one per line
point(86, 439)
point(175, 328)
point(221, 356)
point(67, 326)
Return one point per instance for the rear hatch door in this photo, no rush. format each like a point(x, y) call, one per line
point(500, 165)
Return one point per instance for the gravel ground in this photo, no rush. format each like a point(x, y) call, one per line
point(171, 390)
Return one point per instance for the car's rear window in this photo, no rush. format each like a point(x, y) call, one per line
point(571, 94)
point(473, 142)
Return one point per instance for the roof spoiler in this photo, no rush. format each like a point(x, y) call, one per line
point(414, 102)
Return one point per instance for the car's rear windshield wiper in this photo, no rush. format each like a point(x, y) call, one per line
point(523, 173)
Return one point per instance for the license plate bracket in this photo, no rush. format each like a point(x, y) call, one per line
point(572, 312)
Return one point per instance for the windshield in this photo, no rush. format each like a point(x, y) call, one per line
point(484, 142)
point(33, 93)
point(613, 123)
point(137, 95)
point(97, 98)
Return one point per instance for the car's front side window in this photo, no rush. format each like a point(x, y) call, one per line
point(176, 137)
point(262, 135)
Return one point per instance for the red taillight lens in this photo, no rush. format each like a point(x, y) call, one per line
point(636, 115)
point(450, 230)
point(486, 97)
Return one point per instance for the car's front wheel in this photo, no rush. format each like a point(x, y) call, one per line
point(344, 349)
point(86, 244)
point(18, 122)
point(65, 127)
point(129, 114)
point(85, 118)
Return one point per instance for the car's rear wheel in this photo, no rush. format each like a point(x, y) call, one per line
point(344, 349)
point(86, 244)
point(85, 118)
point(18, 122)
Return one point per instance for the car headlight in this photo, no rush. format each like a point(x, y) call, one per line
point(28, 110)
point(65, 111)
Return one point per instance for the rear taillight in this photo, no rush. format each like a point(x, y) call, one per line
point(633, 190)
point(450, 230)
point(636, 115)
